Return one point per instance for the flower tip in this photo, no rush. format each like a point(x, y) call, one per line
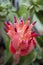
point(14, 17)
point(15, 29)
point(21, 19)
point(38, 34)
point(34, 23)
point(33, 32)
point(28, 18)
point(8, 22)
point(5, 23)
point(35, 35)
point(5, 30)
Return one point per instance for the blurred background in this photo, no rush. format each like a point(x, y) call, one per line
point(24, 9)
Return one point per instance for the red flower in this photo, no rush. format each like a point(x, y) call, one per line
point(22, 37)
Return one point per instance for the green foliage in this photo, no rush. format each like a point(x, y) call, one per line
point(32, 8)
point(5, 8)
point(40, 2)
point(23, 12)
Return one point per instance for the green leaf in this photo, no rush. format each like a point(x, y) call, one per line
point(6, 9)
point(39, 2)
point(40, 16)
point(7, 56)
point(23, 12)
point(39, 53)
point(26, 2)
point(40, 7)
point(38, 25)
point(40, 40)
point(35, 63)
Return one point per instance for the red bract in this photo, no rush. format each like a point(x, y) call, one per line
point(22, 37)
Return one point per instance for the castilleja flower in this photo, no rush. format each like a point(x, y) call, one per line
point(22, 37)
